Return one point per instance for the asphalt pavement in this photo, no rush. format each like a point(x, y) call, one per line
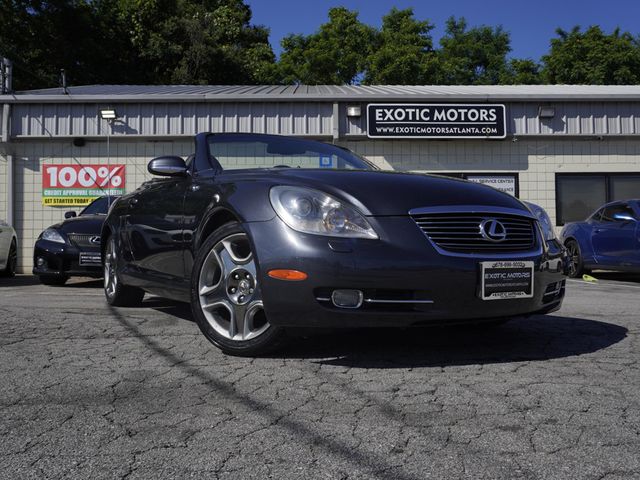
point(89, 391)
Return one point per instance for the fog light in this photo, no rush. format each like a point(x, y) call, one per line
point(40, 262)
point(347, 298)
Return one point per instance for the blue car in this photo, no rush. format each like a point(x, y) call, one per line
point(607, 240)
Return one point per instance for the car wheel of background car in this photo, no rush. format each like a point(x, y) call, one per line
point(576, 268)
point(226, 298)
point(12, 261)
point(117, 293)
point(57, 280)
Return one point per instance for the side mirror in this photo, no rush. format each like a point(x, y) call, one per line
point(168, 166)
point(623, 217)
point(70, 214)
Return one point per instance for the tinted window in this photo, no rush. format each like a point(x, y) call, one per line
point(255, 151)
point(579, 195)
point(625, 187)
point(100, 206)
point(609, 213)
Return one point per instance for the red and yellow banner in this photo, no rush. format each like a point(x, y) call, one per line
point(78, 185)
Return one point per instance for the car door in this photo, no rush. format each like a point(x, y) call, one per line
point(614, 236)
point(5, 243)
point(154, 228)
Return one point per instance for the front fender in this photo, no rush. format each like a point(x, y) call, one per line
point(581, 233)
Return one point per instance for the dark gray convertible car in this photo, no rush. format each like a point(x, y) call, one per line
point(263, 233)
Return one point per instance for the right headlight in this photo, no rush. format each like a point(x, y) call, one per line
point(52, 235)
point(312, 211)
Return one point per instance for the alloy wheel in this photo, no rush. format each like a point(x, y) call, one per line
point(574, 254)
point(228, 290)
point(13, 260)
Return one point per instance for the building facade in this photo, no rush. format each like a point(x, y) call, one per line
point(566, 148)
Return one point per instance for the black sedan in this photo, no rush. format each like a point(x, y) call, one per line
point(263, 233)
point(72, 247)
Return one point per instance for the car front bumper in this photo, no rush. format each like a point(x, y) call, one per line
point(63, 260)
point(426, 286)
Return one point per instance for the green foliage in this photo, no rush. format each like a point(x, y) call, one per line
point(403, 51)
point(521, 72)
point(134, 41)
point(472, 56)
point(336, 54)
point(592, 57)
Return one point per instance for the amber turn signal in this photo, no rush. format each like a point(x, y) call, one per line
point(289, 275)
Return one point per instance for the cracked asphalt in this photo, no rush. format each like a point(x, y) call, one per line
point(88, 391)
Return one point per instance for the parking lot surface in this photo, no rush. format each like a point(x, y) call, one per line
point(88, 391)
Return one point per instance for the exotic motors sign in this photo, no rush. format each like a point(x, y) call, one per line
point(77, 185)
point(434, 120)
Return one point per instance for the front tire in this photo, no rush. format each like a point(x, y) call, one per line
point(226, 299)
point(12, 261)
point(117, 293)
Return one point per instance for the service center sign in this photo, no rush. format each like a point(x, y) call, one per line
point(78, 185)
point(435, 120)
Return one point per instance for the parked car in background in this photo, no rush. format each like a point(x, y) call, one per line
point(72, 247)
point(607, 240)
point(8, 249)
point(280, 232)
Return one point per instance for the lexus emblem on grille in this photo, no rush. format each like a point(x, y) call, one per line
point(95, 240)
point(493, 230)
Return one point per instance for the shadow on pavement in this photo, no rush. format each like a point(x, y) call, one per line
point(535, 338)
point(19, 281)
point(617, 276)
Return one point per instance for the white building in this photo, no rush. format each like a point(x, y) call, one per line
point(566, 148)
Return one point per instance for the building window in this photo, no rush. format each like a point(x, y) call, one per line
point(505, 182)
point(579, 195)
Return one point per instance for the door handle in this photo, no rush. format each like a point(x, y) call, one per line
point(195, 187)
point(599, 230)
point(133, 201)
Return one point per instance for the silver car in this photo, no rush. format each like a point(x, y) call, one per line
point(8, 250)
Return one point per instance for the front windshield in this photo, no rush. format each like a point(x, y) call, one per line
point(240, 151)
point(100, 206)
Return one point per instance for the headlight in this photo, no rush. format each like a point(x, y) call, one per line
point(52, 235)
point(545, 222)
point(315, 212)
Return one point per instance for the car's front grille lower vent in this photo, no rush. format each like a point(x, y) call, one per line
point(84, 240)
point(478, 232)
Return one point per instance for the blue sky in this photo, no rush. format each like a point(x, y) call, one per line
point(531, 23)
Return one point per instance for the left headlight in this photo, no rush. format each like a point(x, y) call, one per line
point(52, 235)
point(312, 211)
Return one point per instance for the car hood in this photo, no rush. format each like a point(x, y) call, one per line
point(378, 193)
point(87, 224)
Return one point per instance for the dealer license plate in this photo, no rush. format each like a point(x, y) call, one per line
point(503, 280)
point(90, 259)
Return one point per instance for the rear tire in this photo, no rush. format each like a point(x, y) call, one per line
point(12, 261)
point(117, 293)
point(53, 280)
point(576, 265)
point(226, 300)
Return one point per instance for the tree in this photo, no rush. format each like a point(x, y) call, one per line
point(134, 41)
point(472, 56)
point(336, 54)
point(592, 57)
point(521, 72)
point(403, 52)
point(199, 42)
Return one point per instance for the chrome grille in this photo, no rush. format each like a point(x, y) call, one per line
point(461, 232)
point(83, 240)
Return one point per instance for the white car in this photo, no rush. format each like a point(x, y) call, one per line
point(8, 249)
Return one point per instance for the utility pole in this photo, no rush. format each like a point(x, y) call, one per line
point(6, 76)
